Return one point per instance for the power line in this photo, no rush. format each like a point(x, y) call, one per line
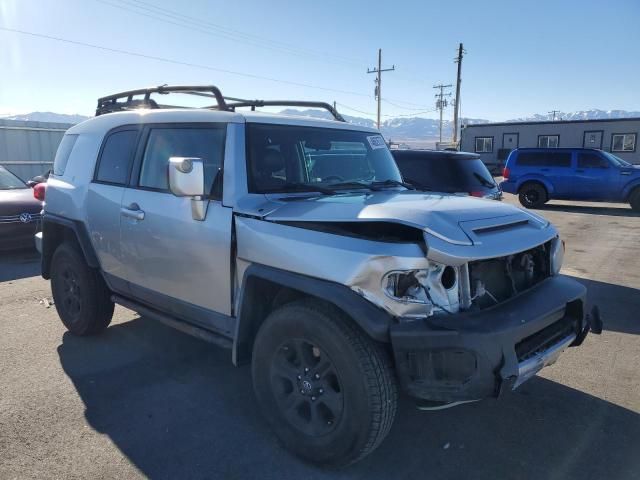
point(180, 62)
point(384, 115)
point(226, 31)
point(422, 107)
point(209, 26)
point(378, 90)
point(411, 114)
point(554, 112)
point(441, 102)
point(183, 63)
point(355, 109)
point(192, 23)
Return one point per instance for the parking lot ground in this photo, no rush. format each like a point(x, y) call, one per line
point(143, 400)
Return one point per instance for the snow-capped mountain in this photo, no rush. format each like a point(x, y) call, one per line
point(594, 114)
point(47, 117)
point(411, 130)
point(399, 128)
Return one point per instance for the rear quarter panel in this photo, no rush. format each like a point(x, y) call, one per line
point(67, 193)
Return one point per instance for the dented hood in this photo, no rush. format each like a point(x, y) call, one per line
point(451, 218)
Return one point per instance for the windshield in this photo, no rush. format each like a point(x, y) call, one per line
point(290, 158)
point(8, 181)
point(446, 173)
point(616, 160)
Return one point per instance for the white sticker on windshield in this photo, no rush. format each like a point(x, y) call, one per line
point(376, 141)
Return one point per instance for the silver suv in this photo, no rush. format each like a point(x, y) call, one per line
point(295, 243)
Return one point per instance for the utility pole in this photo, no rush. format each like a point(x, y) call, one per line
point(456, 105)
point(553, 112)
point(378, 90)
point(441, 102)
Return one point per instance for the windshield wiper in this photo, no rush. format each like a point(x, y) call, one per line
point(395, 183)
point(353, 184)
point(483, 180)
point(419, 186)
point(299, 187)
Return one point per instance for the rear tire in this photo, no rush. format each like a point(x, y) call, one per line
point(81, 297)
point(533, 195)
point(327, 389)
point(634, 200)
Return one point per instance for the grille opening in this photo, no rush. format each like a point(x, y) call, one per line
point(546, 338)
point(495, 280)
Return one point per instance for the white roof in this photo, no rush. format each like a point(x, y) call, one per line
point(108, 121)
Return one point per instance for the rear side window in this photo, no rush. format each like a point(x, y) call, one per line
point(544, 159)
point(116, 158)
point(164, 143)
point(444, 174)
point(63, 153)
point(591, 160)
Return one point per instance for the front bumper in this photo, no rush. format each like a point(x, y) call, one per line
point(476, 355)
point(17, 235)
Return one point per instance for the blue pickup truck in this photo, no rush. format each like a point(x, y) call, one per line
point(537, 175)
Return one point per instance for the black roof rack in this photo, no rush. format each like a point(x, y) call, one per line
point(113, 103)
point(238, 103)
point(126, 101)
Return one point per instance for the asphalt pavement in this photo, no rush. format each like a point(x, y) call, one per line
point(143, 400)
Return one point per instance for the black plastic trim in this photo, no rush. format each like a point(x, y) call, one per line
point(81, 233)
point(491, 335)
point(178, 324)
point(374, 321)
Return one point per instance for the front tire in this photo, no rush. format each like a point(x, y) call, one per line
point(532, 195)
point(327, 390)
point(80, 295)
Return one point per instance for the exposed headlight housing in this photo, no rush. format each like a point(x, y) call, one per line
point(423, 292)
point(557, 255)
point(406, 286)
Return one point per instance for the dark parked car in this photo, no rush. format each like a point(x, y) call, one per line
point(537, 175)
point(447, 171)
point(19, 212)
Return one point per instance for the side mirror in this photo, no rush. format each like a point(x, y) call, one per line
point(186, 179)
point(186, 176)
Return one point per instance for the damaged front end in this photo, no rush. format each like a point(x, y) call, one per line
point(495, 280)
point(472, 286)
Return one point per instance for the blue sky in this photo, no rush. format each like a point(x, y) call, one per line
point(523, 57)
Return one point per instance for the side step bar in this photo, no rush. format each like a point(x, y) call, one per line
point(185, 327)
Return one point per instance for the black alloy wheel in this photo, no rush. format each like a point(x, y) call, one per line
point(307, 387)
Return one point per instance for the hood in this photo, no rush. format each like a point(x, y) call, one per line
point(15, 202)
point(454, 219)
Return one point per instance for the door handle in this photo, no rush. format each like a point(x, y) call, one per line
point(625, 173)
point(544, 169)
point(132, 211)
point(579, 170)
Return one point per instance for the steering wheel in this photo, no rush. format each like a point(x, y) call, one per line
point(333, 177)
